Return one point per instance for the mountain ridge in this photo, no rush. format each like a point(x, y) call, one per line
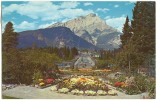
point(95, 27)
point(52, 37)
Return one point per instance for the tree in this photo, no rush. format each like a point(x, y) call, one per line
point(125, 37)
point(143, 27)
point(10, 56)
point(141, 44)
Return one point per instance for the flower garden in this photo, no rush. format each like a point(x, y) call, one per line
point(90, 82)
point(83, 85)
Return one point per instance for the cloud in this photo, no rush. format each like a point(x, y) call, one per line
point(116, 6)
point(72, 13)
point(103, 9)
point(31, 9)
point(25, 25)
point(130, 2)
point(46, 11)
point(88, 4)
point(46, 25)
point(68, 4)
point(116, 22)
point(107, 17)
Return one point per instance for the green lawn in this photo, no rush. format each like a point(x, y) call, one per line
point(8, 97)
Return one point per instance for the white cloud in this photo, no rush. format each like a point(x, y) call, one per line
point(69, 4)
point(116, 6)
point(25, 25)
point(46, 25)
point(107, 17)
point(22, 26)
point(88, 4)
point(72, 13)
point(117, 22)
point(32, 9)
point(130, 2)
point(46, 10)
point(103, 9)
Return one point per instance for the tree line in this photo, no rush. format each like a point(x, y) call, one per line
point(19, 64)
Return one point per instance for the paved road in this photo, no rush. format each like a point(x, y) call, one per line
point(27, 92)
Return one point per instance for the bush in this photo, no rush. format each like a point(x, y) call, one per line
point(141, 82)
point(151, 89)
point(36, 76)
point(132, 90)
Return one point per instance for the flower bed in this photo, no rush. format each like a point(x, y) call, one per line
point(83, 85)
point(45, 83)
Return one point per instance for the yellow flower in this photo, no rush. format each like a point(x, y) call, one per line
point(42, 84)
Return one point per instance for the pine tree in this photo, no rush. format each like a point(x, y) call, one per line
point(11, 63)
point(143, 27)
point(9, 38)
point(125, 37)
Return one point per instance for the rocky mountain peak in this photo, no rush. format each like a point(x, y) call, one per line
point(90, 27)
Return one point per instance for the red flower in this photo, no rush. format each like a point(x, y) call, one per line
point(118, 84)
point(49, 81)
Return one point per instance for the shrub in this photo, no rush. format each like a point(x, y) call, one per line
point(141, 82)
point(36, 76)
point(151, 89)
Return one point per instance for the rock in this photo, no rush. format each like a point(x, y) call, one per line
point(100, 34)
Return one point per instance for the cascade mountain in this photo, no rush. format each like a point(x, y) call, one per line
point(94, 30)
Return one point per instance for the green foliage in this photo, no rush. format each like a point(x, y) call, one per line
point(151, 88)
point(125, 37)
point(36, 76)
point(141, 82)
point(132, 90)
point(143, 27)
point(101, 64)
point(138, 40)
point(9, 38)
point(11, 58)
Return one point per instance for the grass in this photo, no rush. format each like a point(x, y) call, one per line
point(8, 97)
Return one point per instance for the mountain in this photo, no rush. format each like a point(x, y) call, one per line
point(56, 37)
point(94, 30)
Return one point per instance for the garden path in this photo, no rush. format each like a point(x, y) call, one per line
point(27, 92)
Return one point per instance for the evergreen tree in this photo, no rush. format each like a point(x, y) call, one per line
point(10, 56)
point(143, 27)
point(125, 37)
point(9, 38)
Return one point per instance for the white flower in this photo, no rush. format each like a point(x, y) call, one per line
point(90, 92)
point(73, 80)
point(101, 92)
point(80, 92)
point(76, 91)
point(63, 90)
point(112, 92)
point(54, 88)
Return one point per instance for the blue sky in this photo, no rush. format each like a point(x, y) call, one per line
point(30, 15)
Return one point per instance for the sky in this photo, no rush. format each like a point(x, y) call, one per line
point(31, 15)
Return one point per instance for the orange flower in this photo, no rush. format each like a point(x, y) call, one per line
point(82, 79)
